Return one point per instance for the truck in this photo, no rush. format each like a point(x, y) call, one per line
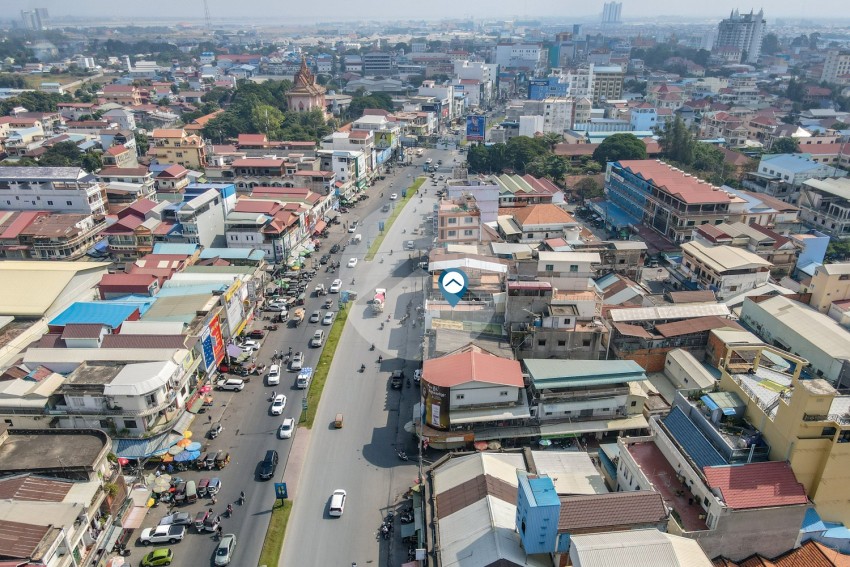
point(304, 377)
point(378, 300)
point(297, 316)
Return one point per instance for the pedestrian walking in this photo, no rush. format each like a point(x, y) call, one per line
point(209, 418)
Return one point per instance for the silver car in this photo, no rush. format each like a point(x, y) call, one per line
point(224, 551)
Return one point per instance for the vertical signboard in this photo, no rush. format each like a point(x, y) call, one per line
point(212, 344)
point(475, 128)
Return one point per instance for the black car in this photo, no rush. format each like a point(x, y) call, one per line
point(397, 378)
point(269, 465)
point(334, 248)
point(324, 259)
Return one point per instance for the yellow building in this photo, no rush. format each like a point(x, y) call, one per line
point(831, 282)
point(176, 146)
point(805, 422)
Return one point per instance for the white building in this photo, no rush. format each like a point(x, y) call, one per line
point(55, 189)
point(530, 125)
point(557, 115)
point(202, 219)
point(530, 56)
point(743, 32)
point(836, 67)
point(726, 270)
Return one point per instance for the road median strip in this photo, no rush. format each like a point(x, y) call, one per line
point(314, 394)
point(411, 191)
point(273, 544)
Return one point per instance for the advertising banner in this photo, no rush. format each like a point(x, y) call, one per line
point(213, 344)
point(475, 128)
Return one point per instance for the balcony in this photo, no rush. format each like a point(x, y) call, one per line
point(62, 409)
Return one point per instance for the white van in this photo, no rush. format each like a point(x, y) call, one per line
point(337, 506)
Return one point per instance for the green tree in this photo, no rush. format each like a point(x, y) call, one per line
point(497, 158)
point(770, 44)
point(619, 147)
point(588, 188)
point(63, 154)
point(522, 150)
point(786, 145)
point(92, 162)
point(142, 143)
point(796, 90)
point(267, 119)
point(677, 142)
point(478, 159)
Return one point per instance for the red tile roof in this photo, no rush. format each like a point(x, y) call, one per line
point(687, 188)
point(756, 485)
point(175, 170)
point(614, 510)
point(695, 325)
point(252, 140)
point(472, 364)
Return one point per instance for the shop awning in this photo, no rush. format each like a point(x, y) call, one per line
point(320, 226)
point(135, 518)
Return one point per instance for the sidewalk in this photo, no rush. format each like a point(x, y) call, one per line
point(295, 461)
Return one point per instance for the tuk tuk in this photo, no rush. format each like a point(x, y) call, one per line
point(191, 492)
point(180, 493)
point(209, 461)
point(214, 486)
point(203, 487)
point(338, 421)
point(301, 299)
point(200, 464)
point(221, 459)
point(200, 518)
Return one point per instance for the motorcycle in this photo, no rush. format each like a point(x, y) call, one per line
point(402, 455)
point(382, 326)
point(372, 347)
point(362, 368)
point(406, 518)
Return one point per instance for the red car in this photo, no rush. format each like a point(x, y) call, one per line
point(256, 334)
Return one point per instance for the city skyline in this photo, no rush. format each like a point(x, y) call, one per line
point(338, 10)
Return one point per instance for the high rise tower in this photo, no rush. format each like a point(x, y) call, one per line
point(742, 32)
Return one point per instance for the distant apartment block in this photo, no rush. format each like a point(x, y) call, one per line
point(55, 189)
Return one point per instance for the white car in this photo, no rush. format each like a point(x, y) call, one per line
point(417, 376)
point(352, 262)
point(328, 318)
point(297, 361)
point(286, 429)
point(315, 316)
point(232, 384)
point(352, 227)
point(163, 534)
point(250, 346)
point(335, 286)
point(278, 404)
point(337, 506)
point(393, 196)
point(274, 375)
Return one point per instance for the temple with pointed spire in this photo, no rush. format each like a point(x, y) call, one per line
point(306, 94)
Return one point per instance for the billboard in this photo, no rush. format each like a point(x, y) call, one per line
point(475, 128)
point(436, 405)
point(383, 140)
point(212, 344)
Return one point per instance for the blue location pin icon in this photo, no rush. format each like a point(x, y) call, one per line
point(453, 284)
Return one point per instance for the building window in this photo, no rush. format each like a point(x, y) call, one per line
point(503, 393)
point(562, 343)
point(69, 203)
point(573, 267)
point(459, 396)
point(530, 235)
point(585, 343)
point(634, 404)
point(541, 342)
point(452, 220)
point(50, 203)
point(452, 233)
point(549, 268)
point(467, 233)
point(130, 424)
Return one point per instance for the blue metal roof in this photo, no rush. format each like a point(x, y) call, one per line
point(143, 448)
point(686, 433)
point(174, 248)
point(97, 312)
point(544, 491)
point(712, 405)
point(795, 163)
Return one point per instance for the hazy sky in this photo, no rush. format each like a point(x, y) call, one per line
point(336, 10)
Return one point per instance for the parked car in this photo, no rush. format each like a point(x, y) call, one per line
point(417, 376)
point(158, 557)
point(224, 551)
point(324, 259)
point(250, 346)
point(297, 361)
point(215, 430)
point(353, 226)
point(328, 318)
point(287, 428)
point(393, 196)
point(176, 519)
point(256, 334)
point(336, 285)
point(315, 316)
point(163, 534)
point(278, 404)
point(334, 248)
point(232, 384)
point(352, 262)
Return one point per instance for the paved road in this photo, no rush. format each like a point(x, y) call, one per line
point(360, 457)
point(249, 428)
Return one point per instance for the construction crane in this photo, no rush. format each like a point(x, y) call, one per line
point(207, 18)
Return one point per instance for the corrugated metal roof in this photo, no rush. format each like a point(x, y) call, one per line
point(692, 440)
point(554, 373)
point(618, 509)
point(757, 485)
point(695, 325)
point(667, 312)
point(101, 312)
point(647, 548)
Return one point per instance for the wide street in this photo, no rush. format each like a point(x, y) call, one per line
point(360, 457)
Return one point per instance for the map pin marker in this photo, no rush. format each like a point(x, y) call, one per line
point(453, 284)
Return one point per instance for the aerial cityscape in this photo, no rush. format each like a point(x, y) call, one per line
point(498, 284)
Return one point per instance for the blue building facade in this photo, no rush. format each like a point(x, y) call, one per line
point(537, 511)
point(627, 191)
point(554, 86)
